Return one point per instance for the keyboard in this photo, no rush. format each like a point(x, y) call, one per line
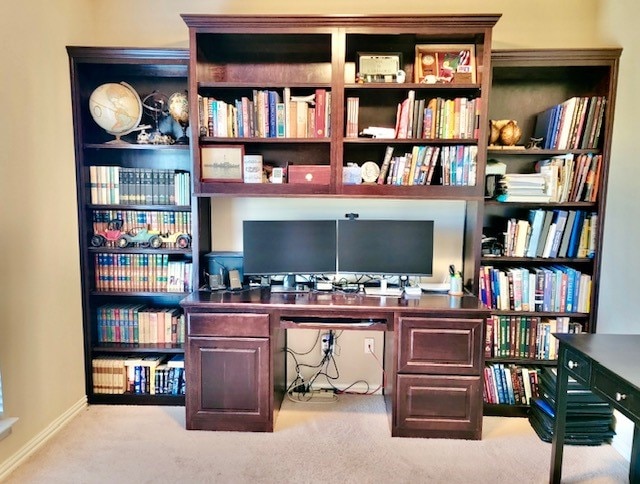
point(389, 291)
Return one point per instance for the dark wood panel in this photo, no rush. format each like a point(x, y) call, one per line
point(227, 324)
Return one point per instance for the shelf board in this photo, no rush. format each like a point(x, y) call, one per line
point(412, 85)
point(178, 295)
point(132, 399)
point(547, 314)
point(260, 189)
point(147, 208)
point(412, 141)
point(134, 146)
point(138, 348)
point(535, 260)
point(577, 205)
point(141, 250)
point(502, 410)
point(204, 140)
point(262, 85)
point(536, 152)
point(522, 361)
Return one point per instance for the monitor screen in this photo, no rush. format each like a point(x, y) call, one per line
point(289, 247)
point(395, 247)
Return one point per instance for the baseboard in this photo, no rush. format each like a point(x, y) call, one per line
point(13, 462)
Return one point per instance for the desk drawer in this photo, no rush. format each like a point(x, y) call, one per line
point(622, 395)
point(228, 324)
point(579, 367)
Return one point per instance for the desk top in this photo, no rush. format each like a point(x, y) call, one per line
point(265, 299)
point(619, 353)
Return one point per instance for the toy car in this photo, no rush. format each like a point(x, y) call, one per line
point(179, 240)
point(141, 237)
point(111, 234)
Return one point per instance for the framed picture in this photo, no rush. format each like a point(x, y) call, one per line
point(445, 64)
point(379, 66)
point(222, 163)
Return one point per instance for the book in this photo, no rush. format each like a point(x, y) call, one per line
point(560, 221)
point(384, 167)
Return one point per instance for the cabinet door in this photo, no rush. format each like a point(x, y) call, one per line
point(438, 406)
point(440, 345)
point(228, 384)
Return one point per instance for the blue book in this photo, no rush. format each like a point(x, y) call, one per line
point(556, 126)
point(273, 100)
point(544, 126)
point(498, 374)
point(536, 218)
point(239, 119)
point(576, 230)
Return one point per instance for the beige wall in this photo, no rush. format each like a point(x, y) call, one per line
point(40, 327)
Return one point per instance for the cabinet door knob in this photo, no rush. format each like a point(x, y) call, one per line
point(620, 396)
point(572, 364)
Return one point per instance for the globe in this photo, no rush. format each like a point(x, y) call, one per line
point(116, 108)
point(179, 110)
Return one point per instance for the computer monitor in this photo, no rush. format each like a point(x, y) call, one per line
point(289, 247)
point(386, 247)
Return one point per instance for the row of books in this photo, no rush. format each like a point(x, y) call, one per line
point(115, 185)
point(551, 234)
point(438, 118)
point(141, 272)
point(574, 124)
point(557, 288)
point(525, 336)
point(149, 375)
point(267, 114)
point(138, 323)
point(162, 221)
point(572, 178)
point(510, 384)
point(417, 167)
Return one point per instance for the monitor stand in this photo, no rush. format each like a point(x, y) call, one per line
point(289, 285)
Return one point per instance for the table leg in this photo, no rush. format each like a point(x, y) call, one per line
point(561, 415)
point(634, 468)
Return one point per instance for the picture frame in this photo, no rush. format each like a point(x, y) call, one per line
point(445, 64)
point(222, 163)
point(379, 66)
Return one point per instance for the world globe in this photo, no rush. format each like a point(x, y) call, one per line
point(116, 108)
point(179, 110)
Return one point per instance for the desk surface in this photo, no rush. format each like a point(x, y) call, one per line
point(619, 353)
point(263, 297)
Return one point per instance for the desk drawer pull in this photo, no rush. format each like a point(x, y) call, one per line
point(572, 364)
point(620, 396)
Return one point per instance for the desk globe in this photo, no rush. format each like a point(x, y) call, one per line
point(116, 108)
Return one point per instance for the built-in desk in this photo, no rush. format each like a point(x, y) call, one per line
point(609, 365)
point(236, 357)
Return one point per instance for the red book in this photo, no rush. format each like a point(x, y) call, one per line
point(320, 113)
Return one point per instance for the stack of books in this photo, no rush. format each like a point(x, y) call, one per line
point(589, 418)
point(524, 187)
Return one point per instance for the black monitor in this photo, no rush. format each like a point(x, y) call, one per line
point(286, 247)
point(386, 247)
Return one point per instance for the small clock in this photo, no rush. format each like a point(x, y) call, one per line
point(370, 171)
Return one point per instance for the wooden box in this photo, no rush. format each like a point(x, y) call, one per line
point(309, 174)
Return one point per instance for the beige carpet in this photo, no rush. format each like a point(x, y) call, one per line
point(346, 442)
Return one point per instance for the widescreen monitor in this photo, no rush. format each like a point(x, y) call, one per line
point(275, 247)
point(385, 247)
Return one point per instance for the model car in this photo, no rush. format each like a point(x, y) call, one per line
point(179, 240)
point(140, 237)
point(111, 234)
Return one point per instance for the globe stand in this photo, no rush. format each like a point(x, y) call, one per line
point(184, 139)
point(117, 141)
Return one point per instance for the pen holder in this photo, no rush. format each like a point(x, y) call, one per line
point(455, 285)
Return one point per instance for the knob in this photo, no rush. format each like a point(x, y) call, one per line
point(572, 364)
point(620, 396)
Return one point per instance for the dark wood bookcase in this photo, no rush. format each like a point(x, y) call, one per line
point(524, 84)
point(146, 71)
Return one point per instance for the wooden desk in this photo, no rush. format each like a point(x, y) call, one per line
point(235, 357)
point(609, 365)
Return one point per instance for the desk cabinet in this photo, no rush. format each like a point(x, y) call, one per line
point(439, 386)
point(229, 376)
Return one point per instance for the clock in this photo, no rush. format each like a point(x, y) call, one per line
point(370, 171)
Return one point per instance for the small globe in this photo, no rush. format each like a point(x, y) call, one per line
point(179, 110)
point(116, 108)
point(179, 107)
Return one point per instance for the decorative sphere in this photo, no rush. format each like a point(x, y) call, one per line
point(179, 107)
point(116, 108)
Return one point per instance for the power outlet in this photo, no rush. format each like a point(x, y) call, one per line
point(369, 346)
point(327, 344)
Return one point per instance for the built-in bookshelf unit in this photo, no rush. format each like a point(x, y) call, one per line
point(548, 280)
point(134, 220)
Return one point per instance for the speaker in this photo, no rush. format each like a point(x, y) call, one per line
point(222, 263)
